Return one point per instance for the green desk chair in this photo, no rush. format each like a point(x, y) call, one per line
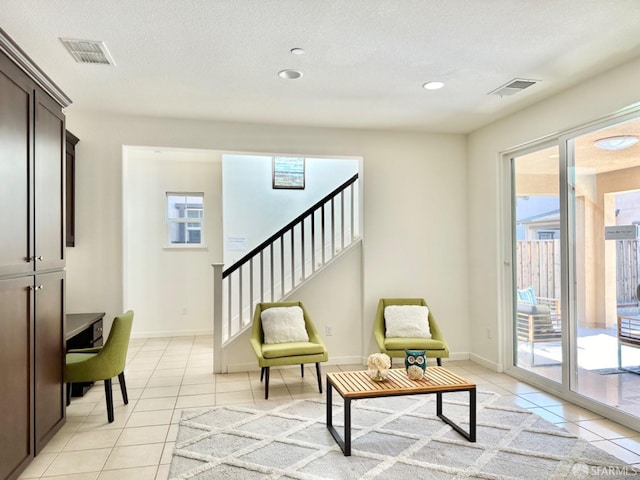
point(436, 346)
point(287, 353)
point(102, 363)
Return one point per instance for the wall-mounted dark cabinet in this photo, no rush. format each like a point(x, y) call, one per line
point(32, 259)
point(16, 142)
point(71, 142)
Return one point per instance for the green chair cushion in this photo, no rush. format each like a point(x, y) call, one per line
point(415, 343)
point(291, 349)
point(75, 358)
point(86, 367)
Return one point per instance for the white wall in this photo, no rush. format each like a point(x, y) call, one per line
point(600, 96)
point(415, 207)
point(252, 208)
point(169, 288)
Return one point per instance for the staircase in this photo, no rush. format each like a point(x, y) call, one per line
point(276, 268)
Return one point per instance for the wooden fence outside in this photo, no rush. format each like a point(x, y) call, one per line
point(538, 265)
point(627, 270)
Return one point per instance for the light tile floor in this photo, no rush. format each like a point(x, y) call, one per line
point(167, 375)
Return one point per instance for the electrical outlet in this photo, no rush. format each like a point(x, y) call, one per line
point(185, 311)
point(328, 331)
point(489, 333)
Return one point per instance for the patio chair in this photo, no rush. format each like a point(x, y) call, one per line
point(628, 334)
point(538, 319)
point(528, 297)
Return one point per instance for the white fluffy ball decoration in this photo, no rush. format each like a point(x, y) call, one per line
point(414, 372)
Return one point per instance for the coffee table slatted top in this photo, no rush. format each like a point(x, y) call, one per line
point(358, 384)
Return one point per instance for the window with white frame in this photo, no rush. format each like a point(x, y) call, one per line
point(185, 219)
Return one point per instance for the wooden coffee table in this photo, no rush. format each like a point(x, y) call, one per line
point(357, 385)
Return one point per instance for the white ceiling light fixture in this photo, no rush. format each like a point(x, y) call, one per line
point(619, 142)
point(290, 74)
point(432, 85)
point(297, 51)
point(88, 51)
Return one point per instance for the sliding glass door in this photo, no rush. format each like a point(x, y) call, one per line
point(605, 205)
point(536, 258)
point(575, 237)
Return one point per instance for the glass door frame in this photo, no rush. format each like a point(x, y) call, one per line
point(509, 304)
point(565, 142)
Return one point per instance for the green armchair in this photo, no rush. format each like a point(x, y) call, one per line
point(287, 353)
point(102, 363)
point(436, 346)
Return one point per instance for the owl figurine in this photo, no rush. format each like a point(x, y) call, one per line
point(416, 358)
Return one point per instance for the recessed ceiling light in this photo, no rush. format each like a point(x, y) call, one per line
point(289, 74)
point(432, 85)
point(618, 142)
point(297, 51)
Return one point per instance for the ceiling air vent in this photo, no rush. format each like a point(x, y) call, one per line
point(88, 51)
point(512, 87)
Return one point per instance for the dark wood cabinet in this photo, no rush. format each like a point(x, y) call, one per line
point(31, 390)
point(17, 385)
point(49, 182)
point(32, 256)
point(70, 189)
point(16, 124)
point(49, 350)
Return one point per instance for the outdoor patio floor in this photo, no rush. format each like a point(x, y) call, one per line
point(598, 375)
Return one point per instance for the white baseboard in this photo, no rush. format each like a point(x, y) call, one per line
point(495, 366)
point(458, 356)
point(172, 333)
point(352, 360)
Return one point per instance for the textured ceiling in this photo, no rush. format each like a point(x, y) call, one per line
point(364, 65)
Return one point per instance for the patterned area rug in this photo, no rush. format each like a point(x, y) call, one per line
point(399, 438)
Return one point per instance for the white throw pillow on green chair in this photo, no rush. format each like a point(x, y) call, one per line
point(408, 321)
point(283, 324)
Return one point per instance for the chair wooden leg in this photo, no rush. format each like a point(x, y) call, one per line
point(123, 388)
point(319, 375)
point(68, 393)
point(266, 383)
point(302, 370)
point(262, 373)
point(439, 361)
point(108, 393)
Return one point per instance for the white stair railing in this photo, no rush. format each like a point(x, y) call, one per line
point(282, 263)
